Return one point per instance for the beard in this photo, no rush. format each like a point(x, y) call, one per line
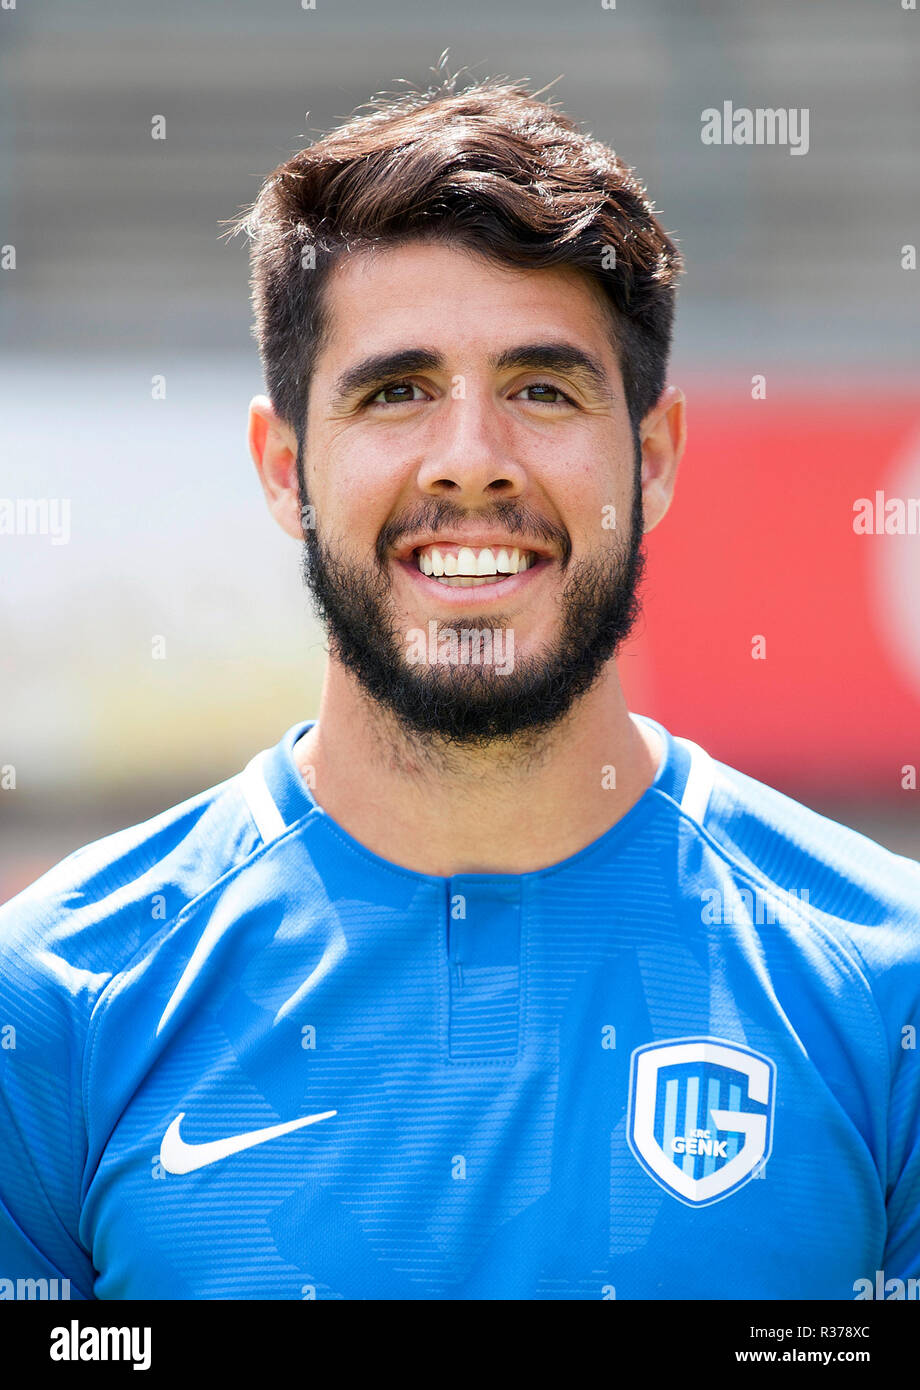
point(474, 706)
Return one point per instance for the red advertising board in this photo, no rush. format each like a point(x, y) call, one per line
point(781, 623)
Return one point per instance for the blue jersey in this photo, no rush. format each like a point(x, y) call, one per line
point(242, 1056)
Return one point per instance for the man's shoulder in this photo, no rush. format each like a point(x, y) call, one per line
point(789, 841)
point(86, 918)
point(822, 872)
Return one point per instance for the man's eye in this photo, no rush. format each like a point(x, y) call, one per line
point(396, 393)
point(546, 387)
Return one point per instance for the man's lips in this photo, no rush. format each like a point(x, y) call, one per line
point(502, 588)
point(408, 549)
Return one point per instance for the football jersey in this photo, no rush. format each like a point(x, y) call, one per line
point(243, 1056)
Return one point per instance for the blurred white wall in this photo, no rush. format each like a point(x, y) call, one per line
point(171, 628)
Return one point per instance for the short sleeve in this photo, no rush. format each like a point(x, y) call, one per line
point(43, 1011)
point(902, 1250)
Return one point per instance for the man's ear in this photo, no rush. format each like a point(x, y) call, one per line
point(663, 434)
point(273, 445)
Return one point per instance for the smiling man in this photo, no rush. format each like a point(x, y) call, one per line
point(477, 986)
point(466, 437)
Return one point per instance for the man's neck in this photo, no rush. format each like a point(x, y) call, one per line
point(491, 810)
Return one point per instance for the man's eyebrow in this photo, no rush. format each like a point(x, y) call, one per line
point(548, 356)
point(370, 371)
point(556, 357)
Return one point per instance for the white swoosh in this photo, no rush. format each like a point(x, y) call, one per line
point(178, 1157)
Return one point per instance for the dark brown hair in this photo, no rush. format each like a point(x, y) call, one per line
point(490, 168)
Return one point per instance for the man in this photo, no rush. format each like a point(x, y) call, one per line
point(478, 986)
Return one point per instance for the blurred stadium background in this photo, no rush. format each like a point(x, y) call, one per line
point(794, 272)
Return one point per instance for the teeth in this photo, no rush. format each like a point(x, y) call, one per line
point(468, 563)
point(469, 581)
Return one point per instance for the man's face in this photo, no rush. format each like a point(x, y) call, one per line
point(502, 428)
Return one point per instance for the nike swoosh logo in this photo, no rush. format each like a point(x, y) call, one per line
point(178, 1157)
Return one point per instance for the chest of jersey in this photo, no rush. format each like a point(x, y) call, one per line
point(480, 1091)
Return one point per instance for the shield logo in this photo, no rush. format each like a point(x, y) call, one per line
point(701, 1115)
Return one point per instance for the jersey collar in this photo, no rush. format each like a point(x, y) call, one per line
point(279, 798)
